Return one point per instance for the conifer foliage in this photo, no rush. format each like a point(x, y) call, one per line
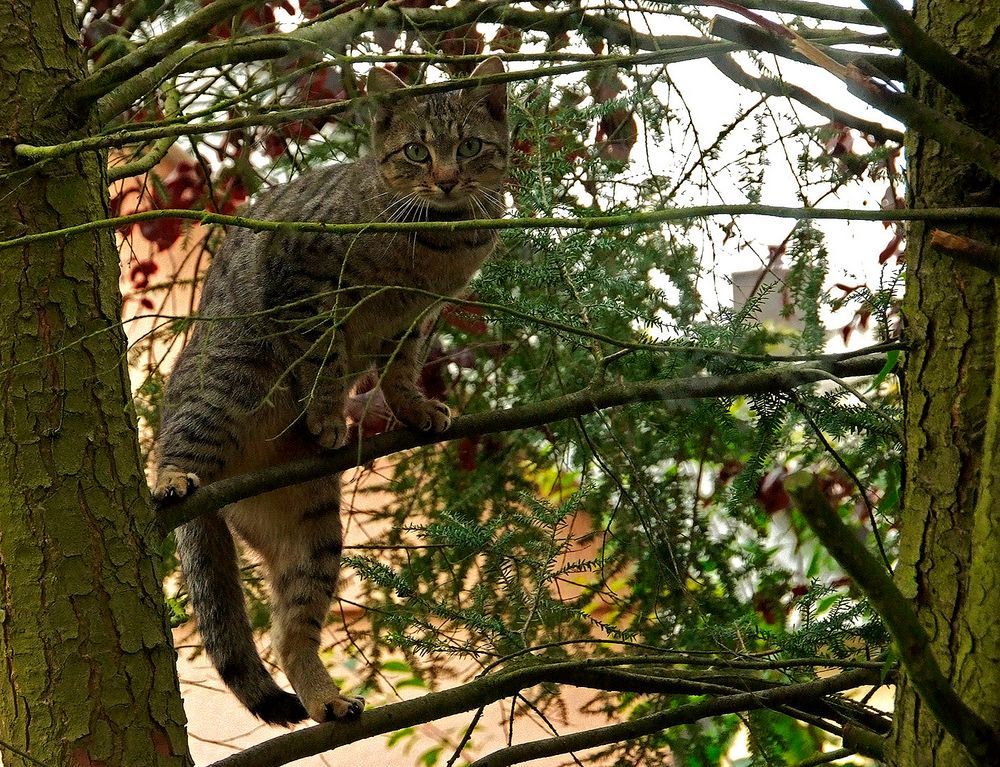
point(638, 494)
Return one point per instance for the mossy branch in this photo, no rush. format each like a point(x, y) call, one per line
point(157, 152)
point(980, 739)
point(590, 223)
point(123, 136)
point(200, 22)
point(588, 400)
point(468, 697)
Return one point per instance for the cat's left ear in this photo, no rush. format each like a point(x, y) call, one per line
point(381, 82)
point(496, 95)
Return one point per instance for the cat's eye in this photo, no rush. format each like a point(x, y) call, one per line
point(470, 147)
point(416, 152)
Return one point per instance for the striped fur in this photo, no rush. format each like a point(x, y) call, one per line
point(288, 322)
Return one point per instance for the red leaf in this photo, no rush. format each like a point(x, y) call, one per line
point(840, 141)
point(162, 232)
point(462, 41)
point(140, 272)
point(465, 318)
point(894, 248)
point(468, 449)
point(618, 132)
point(507, 39)
point(771, 492)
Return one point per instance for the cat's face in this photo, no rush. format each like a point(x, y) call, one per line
point(446, 151)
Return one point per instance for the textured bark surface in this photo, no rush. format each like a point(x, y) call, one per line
point(949, 559)
point(88, 670)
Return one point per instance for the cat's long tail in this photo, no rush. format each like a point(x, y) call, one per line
point(211, 571)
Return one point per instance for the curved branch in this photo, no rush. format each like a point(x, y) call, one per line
point(156, 152)
point(980, 739)
point(589, 400)
point(325, 737)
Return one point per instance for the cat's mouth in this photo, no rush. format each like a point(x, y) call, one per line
point(453, 213)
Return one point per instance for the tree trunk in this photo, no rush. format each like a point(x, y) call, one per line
point(950, 550)
point(88, 668)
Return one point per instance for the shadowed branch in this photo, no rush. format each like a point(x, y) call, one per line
point(470, 696)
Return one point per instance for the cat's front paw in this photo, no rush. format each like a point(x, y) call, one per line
point(173, 483)
point(424, 414)
point(329, 430)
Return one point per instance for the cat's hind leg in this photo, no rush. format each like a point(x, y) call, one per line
point(208, 559)
point(304, 566)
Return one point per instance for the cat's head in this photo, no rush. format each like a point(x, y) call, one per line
point(449, 150)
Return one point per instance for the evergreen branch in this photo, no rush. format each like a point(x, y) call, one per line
point(583, 402)
point(197, 24)
point(589, 223)
point(980, 739)
point(964, 80)
point(470, 696)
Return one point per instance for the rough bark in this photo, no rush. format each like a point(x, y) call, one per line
point(949, 544)
point(88, 668)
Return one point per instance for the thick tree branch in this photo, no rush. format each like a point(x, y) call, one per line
point(197, 24)
point(590, 400)
point(591, 223)
point(805, 8)
point(952, 134)
point(965, 725)
point(964, 80)
point(325, 737)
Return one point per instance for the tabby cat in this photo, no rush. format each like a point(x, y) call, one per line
point(289, 321)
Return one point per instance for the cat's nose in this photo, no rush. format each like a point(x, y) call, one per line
point(447, 186)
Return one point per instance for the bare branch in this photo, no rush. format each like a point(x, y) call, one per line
point(748, 36)
point(776, 87)
point(981, 255)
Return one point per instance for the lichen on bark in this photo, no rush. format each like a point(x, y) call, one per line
point(89, 671)
point(948, 563)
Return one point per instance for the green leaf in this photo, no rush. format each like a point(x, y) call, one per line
point(429, 758)
point(399, 735)
point(890, 364)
